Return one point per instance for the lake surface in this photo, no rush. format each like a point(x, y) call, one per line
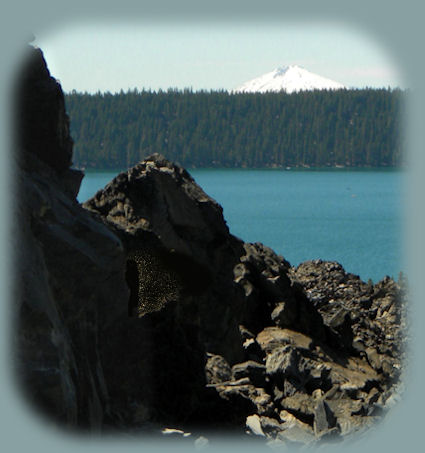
point(350, 216)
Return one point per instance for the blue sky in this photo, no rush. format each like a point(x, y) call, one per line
point(109, 56)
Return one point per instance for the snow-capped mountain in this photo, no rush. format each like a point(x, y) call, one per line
point(288, 78)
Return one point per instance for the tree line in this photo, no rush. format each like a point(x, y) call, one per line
point(356, 127)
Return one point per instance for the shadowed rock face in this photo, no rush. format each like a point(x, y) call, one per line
point(140, 310)
point(80, 358)
point(68, 267)
point(157, 204)
point(165, 219)
point(313, 342)
point(42, 123)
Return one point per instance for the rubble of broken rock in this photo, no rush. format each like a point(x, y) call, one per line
point(298, 354)
point(140, 312)
point(303, 389)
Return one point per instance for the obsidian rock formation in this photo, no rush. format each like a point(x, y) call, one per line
point(313, 342)
point(140, 310)
point(42, 125)
point(68, 267)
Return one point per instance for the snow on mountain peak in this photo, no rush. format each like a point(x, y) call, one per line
point(290, 78)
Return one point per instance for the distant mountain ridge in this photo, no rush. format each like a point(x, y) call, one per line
point(290, 79)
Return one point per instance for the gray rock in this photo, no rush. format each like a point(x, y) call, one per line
point(283, 361)
point(294, 430)
point(324, 419)
point(253, 370)
point(253, 424)
point(270, 426)
point(301, 404)
point(283, 315)
point(217, 370)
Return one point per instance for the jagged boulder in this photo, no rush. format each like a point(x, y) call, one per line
point(162, 216)
point(166, 219)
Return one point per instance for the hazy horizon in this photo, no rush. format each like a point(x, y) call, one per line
point(123, 56)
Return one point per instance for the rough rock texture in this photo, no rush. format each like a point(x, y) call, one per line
point(366, 318)
point(139, 310)
point(313, 342)
point(164, 218)
point(42, 123)
point(81, 359)
point(68, 266)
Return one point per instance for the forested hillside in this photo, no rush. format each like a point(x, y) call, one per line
point(205, 129)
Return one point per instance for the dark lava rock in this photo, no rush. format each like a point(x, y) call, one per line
point(179, 236)
point(253, 370)
point(166, 220)
point(217, 369)
point(42, 126)
point(140, 309)
point(69, 276)
point(367, 319)
point(324, 418)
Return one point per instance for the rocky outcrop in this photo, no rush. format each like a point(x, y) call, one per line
point(167, 223)
point(309, 350)
point(303, 389)
point(42, 125)
point(81, 359)
point(140, 310)
point(369, 320)
point(68, 267)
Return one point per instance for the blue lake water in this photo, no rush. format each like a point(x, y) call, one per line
point(350, 216)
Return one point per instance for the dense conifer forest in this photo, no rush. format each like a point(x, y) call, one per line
point(220, 129)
